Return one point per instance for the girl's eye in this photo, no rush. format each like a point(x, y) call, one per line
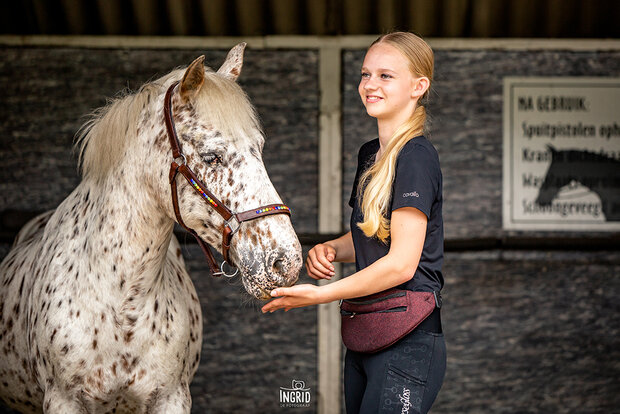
point(211, 158)
point(385, 76)
point(365, 75)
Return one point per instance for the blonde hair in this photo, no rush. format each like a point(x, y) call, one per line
point(375, 185)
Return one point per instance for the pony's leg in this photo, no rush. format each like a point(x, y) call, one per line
point(57, 402)
point(177, 402)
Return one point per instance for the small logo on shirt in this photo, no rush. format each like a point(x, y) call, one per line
point(413, 194)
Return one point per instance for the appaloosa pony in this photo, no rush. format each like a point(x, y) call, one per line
point(97, 311)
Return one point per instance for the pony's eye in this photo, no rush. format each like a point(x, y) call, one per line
point(211, 158)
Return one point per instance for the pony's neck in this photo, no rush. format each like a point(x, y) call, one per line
point(131, 231)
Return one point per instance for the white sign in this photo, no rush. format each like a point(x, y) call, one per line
point(561, 154)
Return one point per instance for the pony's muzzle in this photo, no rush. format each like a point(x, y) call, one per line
point(275, 268)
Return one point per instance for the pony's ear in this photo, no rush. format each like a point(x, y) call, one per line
point(231, 68)
point(193, 79)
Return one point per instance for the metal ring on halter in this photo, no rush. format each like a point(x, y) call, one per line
point(223, 272)
point(184, 159)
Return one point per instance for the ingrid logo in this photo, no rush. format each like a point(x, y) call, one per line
point(296, 396)
point(412, 194)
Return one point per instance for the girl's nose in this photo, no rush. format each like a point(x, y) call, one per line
point(370, 84)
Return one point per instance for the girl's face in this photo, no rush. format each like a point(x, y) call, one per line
point(388, 89)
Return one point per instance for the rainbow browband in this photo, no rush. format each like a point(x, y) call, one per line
point(266, 209)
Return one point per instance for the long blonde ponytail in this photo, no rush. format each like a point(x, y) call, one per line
point(375, 185)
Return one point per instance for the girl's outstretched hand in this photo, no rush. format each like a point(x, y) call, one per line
point(293, 297)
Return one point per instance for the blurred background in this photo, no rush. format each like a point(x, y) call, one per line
point(531, 318)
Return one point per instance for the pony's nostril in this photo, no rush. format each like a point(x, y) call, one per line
point(278, 266)
point(283, 268)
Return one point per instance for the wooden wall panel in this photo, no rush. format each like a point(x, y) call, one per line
point(110, 12)
point(438, 18)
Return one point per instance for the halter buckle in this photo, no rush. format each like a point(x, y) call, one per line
point(230, 220)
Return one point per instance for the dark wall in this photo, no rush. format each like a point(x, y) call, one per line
point(531, 332)
point(49, 91)
point(465, 111)
point(527, 330)
point(247, 356)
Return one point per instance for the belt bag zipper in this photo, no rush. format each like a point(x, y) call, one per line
point(352, 314)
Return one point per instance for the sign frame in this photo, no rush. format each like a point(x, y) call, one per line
point(510, 197)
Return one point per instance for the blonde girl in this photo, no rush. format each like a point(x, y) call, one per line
point(396, 237)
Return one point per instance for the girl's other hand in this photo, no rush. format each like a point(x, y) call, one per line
point(319, 261)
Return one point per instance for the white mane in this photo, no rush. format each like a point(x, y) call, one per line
point(102, 140)
point(228, 109)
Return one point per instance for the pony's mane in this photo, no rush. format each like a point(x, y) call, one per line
point(103, 139)
point(228, 109)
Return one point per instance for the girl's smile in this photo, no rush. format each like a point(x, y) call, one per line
point(373, 98)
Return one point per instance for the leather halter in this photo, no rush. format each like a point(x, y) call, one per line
point(232, 221)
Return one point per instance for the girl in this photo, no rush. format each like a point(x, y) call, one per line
point(396, 237)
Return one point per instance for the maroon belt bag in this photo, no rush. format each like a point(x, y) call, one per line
point(372, 323)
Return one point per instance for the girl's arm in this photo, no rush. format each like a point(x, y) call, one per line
point(343, 246)
point(407, 232)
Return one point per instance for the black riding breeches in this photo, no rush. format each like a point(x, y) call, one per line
point(404, 378)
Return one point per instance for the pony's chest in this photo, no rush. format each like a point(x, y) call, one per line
point(89, 326)
point(105, 354)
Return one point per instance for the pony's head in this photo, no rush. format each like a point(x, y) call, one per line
point(222, 140)
point(220, 135)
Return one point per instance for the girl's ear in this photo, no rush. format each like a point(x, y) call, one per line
point(420, 86)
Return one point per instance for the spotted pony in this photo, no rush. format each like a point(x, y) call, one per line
point(97, 311)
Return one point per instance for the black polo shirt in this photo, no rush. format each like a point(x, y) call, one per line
point(417, 183)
